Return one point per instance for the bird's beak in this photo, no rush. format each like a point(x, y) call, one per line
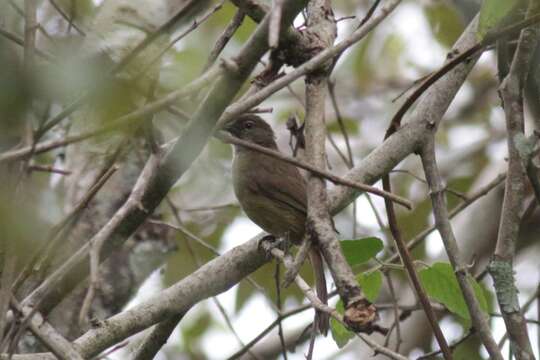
point(224, 133)
point(228, 127)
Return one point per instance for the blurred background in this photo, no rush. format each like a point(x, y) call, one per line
point(45, 170)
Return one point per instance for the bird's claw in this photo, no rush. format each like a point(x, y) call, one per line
point(270, 242)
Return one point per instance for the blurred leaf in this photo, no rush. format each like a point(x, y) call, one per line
point(461, 184)
point(415, 220)
point(363, 67)
point(371, 284)
point(264, 276)
point(14, 96)
point(192, 333)
point(361, 250)
point(22, 229)
point(339, 333)
point(185, 65)
point(181, 263)
point(445, 21)
point(197, 327)
point(79, 8)
point(493, 13)
point(468, 350)
point(391, 51)
point(351, 126)
point(441, 284)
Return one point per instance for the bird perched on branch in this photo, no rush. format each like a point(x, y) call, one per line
point(272, 193)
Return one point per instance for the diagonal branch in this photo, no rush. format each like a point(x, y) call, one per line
point(442, 222)
point(318, 171)
point(160, 175)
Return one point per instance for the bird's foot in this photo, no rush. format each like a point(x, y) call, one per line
point(270, 242)
point(297, 262)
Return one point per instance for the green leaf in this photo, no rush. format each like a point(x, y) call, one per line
point(441, 284)
point(371, 284)
point(492, 13)
point(361, 250)
point(445, 22)
point(339, 333)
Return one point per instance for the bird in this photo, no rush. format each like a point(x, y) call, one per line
point(272, 193)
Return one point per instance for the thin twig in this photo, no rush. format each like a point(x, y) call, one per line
point(309, 66)
point(69, 20)
point(280, 309)
point(454, 60)
point(319, 172)
point(19, 41)
point(413, 276)
point(453, 345)
point(396, 310)
point(49, 168)
point(332, 92)
point(224, 38)
point(194, 25)
point(369, 13)
point(263, 333)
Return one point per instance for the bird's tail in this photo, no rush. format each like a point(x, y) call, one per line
point(322, 320)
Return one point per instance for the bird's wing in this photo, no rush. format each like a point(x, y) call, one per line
point(285, 185)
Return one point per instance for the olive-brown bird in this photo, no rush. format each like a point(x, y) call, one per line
point(272, 193)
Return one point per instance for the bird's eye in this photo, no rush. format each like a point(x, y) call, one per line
point(248, 124)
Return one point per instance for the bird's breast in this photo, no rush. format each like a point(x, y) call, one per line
point(272, 216)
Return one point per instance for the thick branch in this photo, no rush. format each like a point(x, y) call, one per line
point(152, 189)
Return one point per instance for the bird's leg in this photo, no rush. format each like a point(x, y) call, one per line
point(299, 259)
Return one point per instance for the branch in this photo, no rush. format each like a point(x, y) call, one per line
point(442, 221)
point(407, 260)
point(224, 272)
point(309, 66)
point(317, 171)
point(317, 304)
point(159, 175)
point(156, 338)
point(359, 313)
point(47, 334)
point(224, 38)
point(501, 266)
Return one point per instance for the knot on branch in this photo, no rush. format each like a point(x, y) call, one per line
point(360, 316)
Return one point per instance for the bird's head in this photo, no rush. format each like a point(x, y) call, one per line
point(251, 128)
